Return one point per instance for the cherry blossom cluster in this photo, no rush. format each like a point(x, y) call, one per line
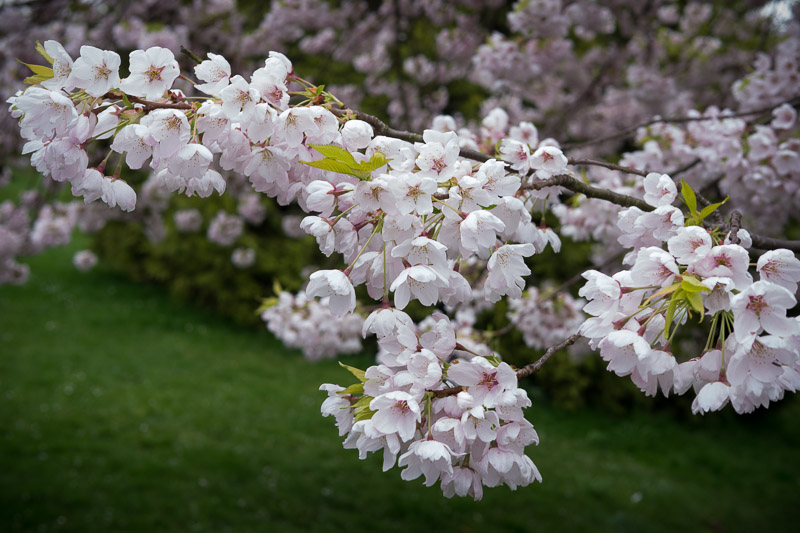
point(752, 353)
point(435, 410)
point(20, 236)
point(308, 326)
point(758, 166)
point(545, 318)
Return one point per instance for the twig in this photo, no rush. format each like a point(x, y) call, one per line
point(191, 55)
point(684, 168)
point(158, 105)
point(537, 365)
point(523, 372)
point(736, 220)
point(612, 166)
point(577, 186)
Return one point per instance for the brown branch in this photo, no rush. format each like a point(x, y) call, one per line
point(191, 55)
point(537, 365)
point(768, 243)
point(684, 168)
point(577, 186)
point(158, 105)
point(149, 105)
point(736, 220)
point(612, 166)
point(795, 100)
point(523, 372)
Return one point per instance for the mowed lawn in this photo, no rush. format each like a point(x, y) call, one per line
point(121, 410)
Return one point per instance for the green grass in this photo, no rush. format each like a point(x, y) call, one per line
point(121, 410)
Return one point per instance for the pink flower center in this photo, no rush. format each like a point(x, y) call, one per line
point(757, 305)
point(153, 73)
point(402, 406)
point(489, 381)
point(723, 260)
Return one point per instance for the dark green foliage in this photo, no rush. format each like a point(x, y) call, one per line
point(199, 271)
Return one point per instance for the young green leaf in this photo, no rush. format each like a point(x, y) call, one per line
point(375, 162)
point(707, 210)
point(40, 49)
point(695, 302)
point(359, 374)
point(336, 153)
point(673, 305)
point(691, 284)
point(355, 388)
point(689, 197)
point(334, 166)
point(363, 413)
point(39, 70)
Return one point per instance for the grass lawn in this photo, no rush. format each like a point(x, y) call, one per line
point(121, 410)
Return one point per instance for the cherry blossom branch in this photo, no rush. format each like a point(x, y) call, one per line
point(149, 105)
point(768, 243)
point(191, 55)
point(523, 372)
point(577, 186)
point(158, 105)
point(684, 168)
point(537, 365)
point(736, 220)
point(795, 100)
point(381, 128)
point(611, 166)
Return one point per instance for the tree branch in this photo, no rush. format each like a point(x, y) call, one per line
point(191, 55)
point(537, 365)
point(612, 166)
point(158, 105)
point(577, 186)
point(523, 372)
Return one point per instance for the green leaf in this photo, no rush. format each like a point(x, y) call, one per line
point(375, 162)
point(359, 374)
point(355, 388)
point(333, 166)
point(364, 413)
point(665, 291)
point(43, 53)
point(695, 301)
point(336, 153)
point(39, 70)
point(34, 80)
point(691, 284)
point(362, 402)
point(707, 210)
point(673, 305)
point(689, 197)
